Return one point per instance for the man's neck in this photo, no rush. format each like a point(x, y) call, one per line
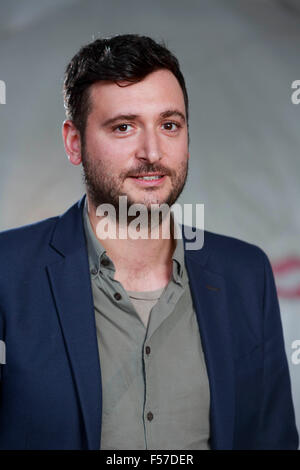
point(141, 264)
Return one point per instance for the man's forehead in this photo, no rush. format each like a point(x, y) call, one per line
point(160, 88)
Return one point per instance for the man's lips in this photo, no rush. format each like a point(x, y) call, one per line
point(153, 182)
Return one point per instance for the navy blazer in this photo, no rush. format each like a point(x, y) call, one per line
point(50, 392)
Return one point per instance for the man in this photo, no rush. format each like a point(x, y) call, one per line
point(136, 343)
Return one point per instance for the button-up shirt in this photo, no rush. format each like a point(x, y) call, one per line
point(155, 389)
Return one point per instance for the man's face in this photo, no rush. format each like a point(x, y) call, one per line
point(134, 131)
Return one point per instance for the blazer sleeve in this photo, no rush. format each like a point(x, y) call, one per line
point(277, 419)
point(2, 345)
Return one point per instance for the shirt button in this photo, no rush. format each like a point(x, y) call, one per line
point(105, 262)
point(117, 296)
point(94, 271)
point(149, 416)
point(148, 350)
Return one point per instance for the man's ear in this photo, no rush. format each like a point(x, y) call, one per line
point(72, 142)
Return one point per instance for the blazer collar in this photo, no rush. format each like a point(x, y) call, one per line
point(209, 294)
point(70, 282)
point(68, 234)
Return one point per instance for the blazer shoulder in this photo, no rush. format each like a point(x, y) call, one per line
point(222, 242)
point(26, 241)
point(27, 231)
point(230, 253)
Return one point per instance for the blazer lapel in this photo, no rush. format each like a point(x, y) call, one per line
point(208, 291)
point(70, 282)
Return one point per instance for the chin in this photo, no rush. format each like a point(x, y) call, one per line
point(150, 202)
point(147, 201)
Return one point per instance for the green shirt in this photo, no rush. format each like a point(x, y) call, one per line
point(155, 387)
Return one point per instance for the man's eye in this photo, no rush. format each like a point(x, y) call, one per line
point(171, 126)
point(122, 127)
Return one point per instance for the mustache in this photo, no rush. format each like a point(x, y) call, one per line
point(149, 169)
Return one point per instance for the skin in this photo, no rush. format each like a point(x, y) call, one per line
point(148, 142)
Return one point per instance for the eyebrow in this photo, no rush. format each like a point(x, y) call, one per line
point(131, 117)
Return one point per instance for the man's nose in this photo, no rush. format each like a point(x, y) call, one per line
point(149, 146)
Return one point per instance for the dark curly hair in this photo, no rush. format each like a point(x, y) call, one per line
point(129, 57)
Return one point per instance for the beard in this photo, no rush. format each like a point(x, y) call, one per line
point(103, 187)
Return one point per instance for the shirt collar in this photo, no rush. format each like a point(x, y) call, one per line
point(179, 271)
point(97, 252)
